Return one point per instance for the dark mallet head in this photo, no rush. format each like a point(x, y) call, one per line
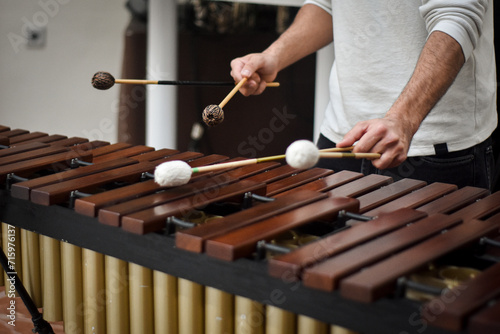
point(103, 80)
point(213, 115)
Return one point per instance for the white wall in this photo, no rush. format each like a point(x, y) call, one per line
point(48, 89)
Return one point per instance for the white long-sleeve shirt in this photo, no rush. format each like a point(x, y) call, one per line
point(377, 45)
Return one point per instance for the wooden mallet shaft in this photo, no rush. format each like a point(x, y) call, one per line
point(349, 155)
point(232, 92)
point(238, 86)
point(104, 80)
point(337, 149)
point(182, 83)
point(213, 114)
point(325, 153)
point(234, 164)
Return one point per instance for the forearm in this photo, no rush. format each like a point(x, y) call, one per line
point(439, 63)
point(310, 31)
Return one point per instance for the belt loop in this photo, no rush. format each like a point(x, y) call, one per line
point(441, 148)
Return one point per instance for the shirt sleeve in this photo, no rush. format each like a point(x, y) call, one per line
point(324, 4)
point(461, 19)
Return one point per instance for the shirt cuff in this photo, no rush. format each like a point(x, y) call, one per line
point(325, 5)
point(457, 32)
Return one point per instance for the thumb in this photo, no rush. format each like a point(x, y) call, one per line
point(250, 68)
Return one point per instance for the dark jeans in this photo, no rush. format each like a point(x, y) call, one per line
point(470, 167)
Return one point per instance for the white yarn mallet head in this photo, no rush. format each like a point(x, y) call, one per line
point(173, 173)
point(302, 154)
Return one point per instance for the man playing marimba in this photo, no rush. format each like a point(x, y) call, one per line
point(412, 80)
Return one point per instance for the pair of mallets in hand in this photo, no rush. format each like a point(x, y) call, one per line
point(212, 115)
point(301, 154)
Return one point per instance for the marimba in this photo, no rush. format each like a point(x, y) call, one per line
point(258, 249)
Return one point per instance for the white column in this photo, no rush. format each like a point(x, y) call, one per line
point(161, 102)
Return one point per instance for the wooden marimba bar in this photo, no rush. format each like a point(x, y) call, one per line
point(258, 249)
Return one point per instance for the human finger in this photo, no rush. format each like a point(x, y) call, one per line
point(237, 65)
point(352, 136)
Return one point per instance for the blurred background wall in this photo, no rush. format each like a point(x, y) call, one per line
point(47, 87)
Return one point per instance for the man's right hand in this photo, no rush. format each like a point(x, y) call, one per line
point(259, 68)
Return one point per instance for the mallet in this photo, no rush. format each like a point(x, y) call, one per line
point(213, 114)
point(104, 80)
point(301, 154)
